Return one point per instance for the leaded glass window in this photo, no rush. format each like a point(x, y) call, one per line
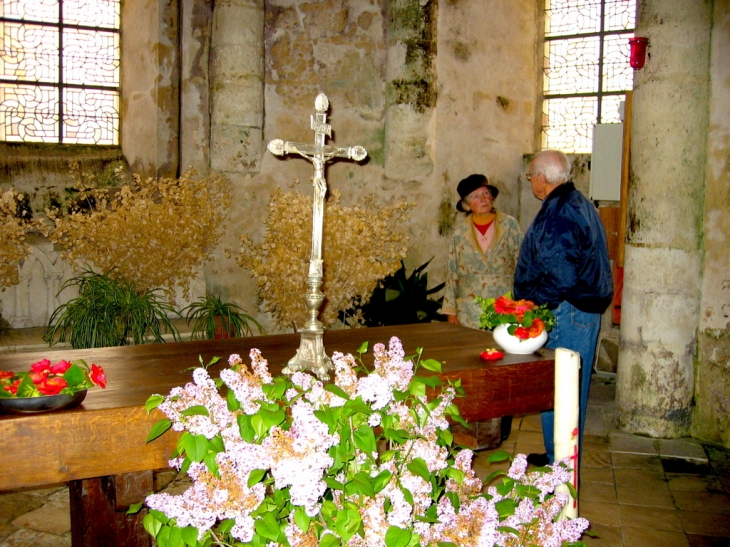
point(59, 71)
point(586, 69)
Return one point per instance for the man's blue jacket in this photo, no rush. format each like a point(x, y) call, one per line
point(564, 255)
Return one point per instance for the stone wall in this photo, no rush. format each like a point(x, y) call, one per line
point(711, 416)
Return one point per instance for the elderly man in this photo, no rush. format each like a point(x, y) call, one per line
point(564, 263)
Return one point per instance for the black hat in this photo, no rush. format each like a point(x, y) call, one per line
point(471, 183)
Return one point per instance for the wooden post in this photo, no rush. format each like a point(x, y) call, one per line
point(625, 168)
point(99, 510)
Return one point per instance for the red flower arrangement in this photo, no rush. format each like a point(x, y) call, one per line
point(44, 379)
point(525, 319)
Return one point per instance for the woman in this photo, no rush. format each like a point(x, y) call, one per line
point(483, 253)
point(482, 261)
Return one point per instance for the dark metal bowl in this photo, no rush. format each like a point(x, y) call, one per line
point(47, 403)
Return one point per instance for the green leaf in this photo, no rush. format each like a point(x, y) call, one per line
point(396, 435)
point(153, 402)
point(232, 403)
point(276, 389)
point(135, 508)
point(417, 389)
point(268, 526)
point(417, 466)
point(255, 477)
point(455, 474)
point(301, 519)
point(175, 537)
point(190, 535)
point(505, 487)
point(397, 537)
point(197, 410)
point(431, 364)
point(158, 429)
point(407, 495)
point(361, 484)
point(333, 484)
point(363, 348)
point(499, 456)
point(381, 480)
point(528, 491)
point(505, 508)
point(245, 428)
point(365, 439)
point(151, 524)
point(347, 523)
point(446, 436)
point(329, 540)
point(337, 390)
point(74, 375)
point(430, 381)
point(195, 446)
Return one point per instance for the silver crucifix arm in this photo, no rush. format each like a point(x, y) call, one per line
point(280, 147)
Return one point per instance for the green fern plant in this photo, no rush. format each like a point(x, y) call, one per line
point(399, 299)
point(214, 318)
point(110, 312)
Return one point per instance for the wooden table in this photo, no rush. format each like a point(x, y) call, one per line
point(100, 448)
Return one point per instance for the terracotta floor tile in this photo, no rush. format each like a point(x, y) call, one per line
point(708, 502)
point(606, 536)
point(646, 537)
point(595, 442)
point(596, 474)
point(696, 483)
point(600, 513)
point(655, 518)
point(622, 460)
point(596, 491)
point(595, 458)
point(531, 422)
point(622, 442)
point(706, 524)
point(696, 540)
point(629, 477)
point(639, 494)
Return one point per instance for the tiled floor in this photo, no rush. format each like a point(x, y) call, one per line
point(636, 492)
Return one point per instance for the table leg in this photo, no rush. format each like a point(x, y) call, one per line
point(99, 506)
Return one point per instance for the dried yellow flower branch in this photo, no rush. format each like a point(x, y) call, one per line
point(13, 248)
point(361, 246)
point(153, 232)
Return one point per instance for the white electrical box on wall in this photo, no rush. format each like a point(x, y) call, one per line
point(606, 162)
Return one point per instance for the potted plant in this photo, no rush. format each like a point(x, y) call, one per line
point(110, 312)
point(214, 318)
point(399, 299)
point(518, 326)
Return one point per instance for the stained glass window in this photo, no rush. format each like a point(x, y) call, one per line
point(59, 71)
point(586, 69)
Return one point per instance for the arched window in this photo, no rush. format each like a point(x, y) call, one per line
point(586, 69)
point(60, 71)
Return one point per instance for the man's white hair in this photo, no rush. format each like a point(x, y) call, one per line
point(553, 164)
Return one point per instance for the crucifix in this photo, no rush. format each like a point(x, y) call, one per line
point(311, 354)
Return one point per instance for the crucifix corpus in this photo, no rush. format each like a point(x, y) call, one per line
point(311, 354)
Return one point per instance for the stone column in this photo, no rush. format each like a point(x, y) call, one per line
point(661, 293)
point(411, 87)
point(237, 84)
point(150, 92)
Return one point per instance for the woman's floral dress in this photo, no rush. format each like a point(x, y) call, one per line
point(473, 272)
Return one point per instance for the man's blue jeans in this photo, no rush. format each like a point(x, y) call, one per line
point(578, 331)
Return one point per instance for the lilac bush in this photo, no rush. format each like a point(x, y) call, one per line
point(367, 461)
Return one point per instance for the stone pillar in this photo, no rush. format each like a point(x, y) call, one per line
point(411, 87)
point(662, 273)
point(195, 30)
point(150, 91)
point(237, 82)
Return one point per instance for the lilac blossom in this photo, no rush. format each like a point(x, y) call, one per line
point(374, 389)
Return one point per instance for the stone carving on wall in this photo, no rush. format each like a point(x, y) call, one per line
point(31, 302)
